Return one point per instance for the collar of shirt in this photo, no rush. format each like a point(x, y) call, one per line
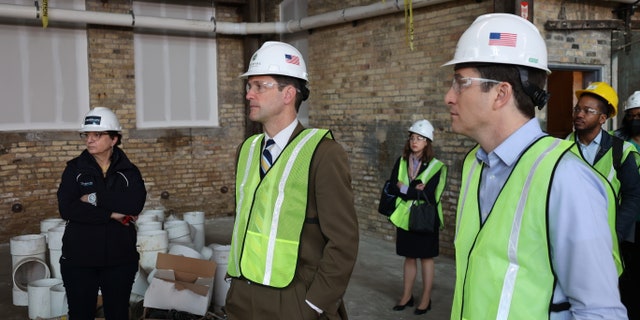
point(281, 139)
point(590, 150)
point(499, 163)
point(509, 150)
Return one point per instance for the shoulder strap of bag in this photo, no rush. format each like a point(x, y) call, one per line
point(617, 152)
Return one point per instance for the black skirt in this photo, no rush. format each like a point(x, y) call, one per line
point(417, 245)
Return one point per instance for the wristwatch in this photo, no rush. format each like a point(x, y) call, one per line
point(93, 199)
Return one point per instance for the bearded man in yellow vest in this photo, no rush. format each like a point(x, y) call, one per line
point(616, 159)
point(532, 236)
point(295, 238)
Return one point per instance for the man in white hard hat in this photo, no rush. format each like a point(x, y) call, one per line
point(630, 246)
point(295, 239)
point(532, 238)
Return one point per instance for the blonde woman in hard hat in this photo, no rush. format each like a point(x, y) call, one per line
point(532, 237)
point(417, 173)
point(295, 239)
point(630, 247)
point(100, 191)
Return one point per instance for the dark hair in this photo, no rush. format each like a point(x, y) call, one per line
point(511, 74)
point(113, 134)
point(302, 92)
point(427, 153)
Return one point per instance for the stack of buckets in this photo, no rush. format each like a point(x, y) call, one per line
point(37, 281)
point(33, 284)
point(185, 237)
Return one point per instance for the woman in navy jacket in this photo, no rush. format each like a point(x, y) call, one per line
point(101, 194)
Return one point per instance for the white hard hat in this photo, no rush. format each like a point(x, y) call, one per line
point(633, 101)
point(502, 38)
point(100, 119)
point(423, 128)
point(277, 58)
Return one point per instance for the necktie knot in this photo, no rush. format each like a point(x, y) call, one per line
point(267, 159)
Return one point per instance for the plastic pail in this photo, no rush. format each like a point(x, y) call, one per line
point(59, 305)
point(149, 244)
point(40, 297)
point(28, 246)
point(55, 250)
point(220, 285)
point(196, 220)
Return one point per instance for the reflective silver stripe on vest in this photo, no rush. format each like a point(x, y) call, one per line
point(247, 170)
point(465, 195)
point(278, 205)
point(512, 271)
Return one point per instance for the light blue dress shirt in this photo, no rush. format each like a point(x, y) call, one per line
point(589, 151)
point(579, 236)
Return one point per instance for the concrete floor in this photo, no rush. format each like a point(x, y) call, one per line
point(374, 288)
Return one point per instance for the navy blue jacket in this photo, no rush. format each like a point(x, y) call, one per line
point(91, 237)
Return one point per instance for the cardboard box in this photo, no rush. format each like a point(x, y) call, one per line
point(181, 283)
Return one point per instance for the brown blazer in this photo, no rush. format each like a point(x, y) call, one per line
point(327, 254)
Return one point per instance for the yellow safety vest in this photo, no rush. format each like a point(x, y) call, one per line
point(607, 173)
point(400, 216)
point(270, 212)
point(503, 267)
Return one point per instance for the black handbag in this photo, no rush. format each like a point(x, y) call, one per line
point(387, 201)
point(422, 215)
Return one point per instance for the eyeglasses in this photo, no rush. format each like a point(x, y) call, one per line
point(417, 138)
point(589, 110)
point(460, 83)
point(93, 135)
point(260, 86)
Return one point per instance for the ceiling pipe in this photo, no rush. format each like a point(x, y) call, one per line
point(211, 26)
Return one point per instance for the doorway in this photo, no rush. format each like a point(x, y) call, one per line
point(562, 85)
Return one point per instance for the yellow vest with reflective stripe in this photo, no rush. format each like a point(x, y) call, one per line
point(400, 216)
point(607, 173)
point(503, 267)
point(270, 212)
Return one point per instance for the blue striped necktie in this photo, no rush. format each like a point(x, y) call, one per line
point(267, 160)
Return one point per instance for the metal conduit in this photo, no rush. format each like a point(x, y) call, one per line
point(212, 26)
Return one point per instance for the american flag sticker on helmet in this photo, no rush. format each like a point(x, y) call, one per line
point(503, 39)
point(289, 58)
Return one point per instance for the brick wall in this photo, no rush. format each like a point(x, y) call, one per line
point(366, 85)
point(369, 87)
point(194, 166)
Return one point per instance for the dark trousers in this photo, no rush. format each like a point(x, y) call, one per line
point(630, 278)
point(82, 283)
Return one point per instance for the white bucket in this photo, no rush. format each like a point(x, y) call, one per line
point(185, 251)
point(59, 305)
point(207, 253)
point(148, 225)
point(40, 297)
point(28, 246)
point(49, 223)
point(196, 220)
point(140, 283)
point(148, 217)
point(220, 285)
point(159, 213)
point(178, 231)
point(29, 270)
point(149, 244)
point(20, 297)
point(55, 250)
